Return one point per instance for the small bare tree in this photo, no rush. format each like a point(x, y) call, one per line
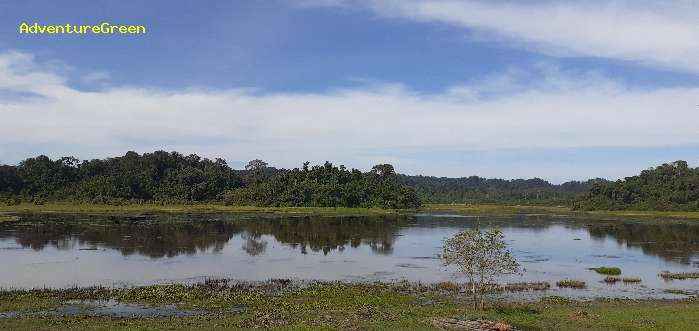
point(481, 256)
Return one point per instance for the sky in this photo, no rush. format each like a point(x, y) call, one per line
point(560, 90)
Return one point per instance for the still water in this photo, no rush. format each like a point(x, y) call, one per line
point(83, 250)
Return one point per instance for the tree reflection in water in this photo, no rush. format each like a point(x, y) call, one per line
point(169, 236)
point(159, 236)
point(675, 241)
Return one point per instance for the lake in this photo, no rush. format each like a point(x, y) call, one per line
point(52, 250)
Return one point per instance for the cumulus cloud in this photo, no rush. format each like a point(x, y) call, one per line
point(650, 32)
point(359, 126)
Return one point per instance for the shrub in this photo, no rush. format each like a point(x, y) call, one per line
point(481, 256)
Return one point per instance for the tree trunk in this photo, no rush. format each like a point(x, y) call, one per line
point(474, 294)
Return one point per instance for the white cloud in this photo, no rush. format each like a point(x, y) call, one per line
point(657, 33)
point(356, 126)
point(95, 76)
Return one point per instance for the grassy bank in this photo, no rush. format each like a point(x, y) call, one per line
point(480, 209)
point(493, 209)
point(7, 218)
point(334, 306)
point(485, 209)
point(189, 208)
point(647, 214)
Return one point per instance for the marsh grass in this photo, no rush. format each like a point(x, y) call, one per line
point(680, 291)
point(569, 283)
point(214, 207)
point(679, 275)
point(534, 286)
point(448, 286)
point(496, 209)
point(647, 214)
point(192, 208)
point(630, 280)
point(8, 218)
point(290, 305)
point(612, 279)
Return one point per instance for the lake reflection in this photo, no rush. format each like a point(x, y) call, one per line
point(59, 251)
point(162, 236)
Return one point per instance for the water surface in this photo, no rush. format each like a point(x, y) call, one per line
point(85, 250)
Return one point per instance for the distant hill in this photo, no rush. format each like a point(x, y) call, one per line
point(489, 190)
point(673, 186)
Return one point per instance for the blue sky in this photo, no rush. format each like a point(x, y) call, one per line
point(557, 90)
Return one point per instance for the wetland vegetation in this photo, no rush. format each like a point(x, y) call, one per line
point(287, 305)
point(569, 283)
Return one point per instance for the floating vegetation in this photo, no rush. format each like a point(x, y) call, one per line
point(535, 286)
point(625, 280)
point(612, 279)
point(613, 271)
point(569, 283)
point(679, 275)
point(466, 287)
point(630, 279)
point(112, 308)
point(682, 292)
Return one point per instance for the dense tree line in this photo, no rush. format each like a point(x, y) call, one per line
point(328, 186)
point(673, 186)
point(160, 176)
point(173, 177)
point(484, 190)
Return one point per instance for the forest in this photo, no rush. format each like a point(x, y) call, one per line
point(669, 187)
point(476, 189)
point(171, 177)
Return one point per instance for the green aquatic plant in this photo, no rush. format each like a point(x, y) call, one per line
point(612, 271)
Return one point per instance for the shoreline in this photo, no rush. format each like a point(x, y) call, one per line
point(289, 305)
point(458, 209)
